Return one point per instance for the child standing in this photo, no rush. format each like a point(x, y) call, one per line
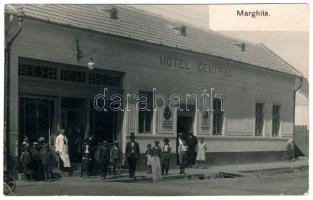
point(201, 153)
point(26, 162)
point(148, 157)
point(86, 160)
point(115, 156)
point(155, 161)
point(48, 159)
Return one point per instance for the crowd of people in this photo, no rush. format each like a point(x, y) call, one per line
point(38, 159)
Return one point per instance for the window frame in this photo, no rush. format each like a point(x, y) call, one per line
point(259, 116)
point(276, 119)
point(146, 114)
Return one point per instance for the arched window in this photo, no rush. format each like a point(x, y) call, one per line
point(218, 115)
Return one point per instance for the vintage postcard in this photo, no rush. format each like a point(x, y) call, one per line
point(156, 100)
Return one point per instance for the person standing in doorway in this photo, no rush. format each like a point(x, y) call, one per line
point(201, 149)
point(165, 159)
point(61, 148)
point(179, 141)
point(191, 154)
point(183, 148)
point(132, 152)
point(155, 161)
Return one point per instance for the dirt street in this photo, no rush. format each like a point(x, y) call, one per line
point(295, 183)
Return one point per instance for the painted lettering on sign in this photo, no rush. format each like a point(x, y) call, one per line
point(174, 62)
point(181, 63)
point(213, 69)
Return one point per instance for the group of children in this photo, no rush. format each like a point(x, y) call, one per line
point(37, 160)
point(105, 158)
point(158, 159)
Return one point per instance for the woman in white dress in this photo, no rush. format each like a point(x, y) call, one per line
point(61, 148)
point(201, 153)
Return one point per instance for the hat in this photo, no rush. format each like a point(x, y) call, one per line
point(41, 139)
point(166, 140)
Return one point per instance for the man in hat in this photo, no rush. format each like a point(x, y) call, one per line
point(103, 158)
point(25, 142)
point(179, 142)
point(132, 152)
point(115, 156)
point(35, 161)
point(192, 142)
point(165, 158)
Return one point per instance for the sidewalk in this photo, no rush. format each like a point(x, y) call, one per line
point(213, 171)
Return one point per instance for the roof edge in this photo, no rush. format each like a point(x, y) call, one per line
point(298, 73)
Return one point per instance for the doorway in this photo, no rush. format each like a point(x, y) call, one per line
point(73, 121)
point(104, 125)
point(184, 125)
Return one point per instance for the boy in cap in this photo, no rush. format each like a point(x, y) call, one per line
point(115, 156)
point(26, 162)
point(165, 159)
point(48, 159)
point(103, 158)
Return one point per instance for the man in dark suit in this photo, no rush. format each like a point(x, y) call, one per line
point(132, 154)
point(192, 141)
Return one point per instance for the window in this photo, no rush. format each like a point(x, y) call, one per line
point(105, 79)
point(37, 71)
point(145, 111)
point(73, 76)
point(218, 116)
point(276, 120)
point(259, 119)
point(114, 12)
point(36, 117)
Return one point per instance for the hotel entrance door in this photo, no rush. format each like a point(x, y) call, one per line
point(73, 120)
point(184, 124)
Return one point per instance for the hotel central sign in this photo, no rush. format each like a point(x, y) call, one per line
point(183, 64)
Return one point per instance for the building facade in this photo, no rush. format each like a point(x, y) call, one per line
point(251, 106)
